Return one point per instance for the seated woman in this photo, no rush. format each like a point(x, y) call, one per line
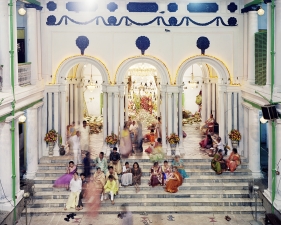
point(179, 164)
point(218, 164)
point(126, 178)
point(156, 176)
point(209, 122)
point(207, 142)
point(174, 181)
point(233, 161)
point(166, 171)
point(157, 152)
point(98, 180)
point(136, 172)
point(110, 188)
point(64, 180)
point(113, 173)
point(150, 137)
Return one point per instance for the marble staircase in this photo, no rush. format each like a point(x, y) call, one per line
point(203, 192)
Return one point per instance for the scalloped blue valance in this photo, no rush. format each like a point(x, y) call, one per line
point(202, 7)
point(81, 6)
point(142, 7)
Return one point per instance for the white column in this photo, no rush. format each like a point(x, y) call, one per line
point(268, 191)
point(109, 112)
point(277, 80)
point(209, 107)
point(62, 114)
point(180, 121)
point(229, 115)
point(104, 114)
point(126, 101)
point(66, 116)
point(245, 152)
point(56, 120)
point(204, 103)
point(76, 99)
point(169, 99)
point(39, 48)
point(252, 29)
point(44, 124)
point(81, 107)
point(116, 112)
point(175, 112)
point(163, 121)
point(235, 110)
point(16, 74)
point(31, 43)
point(254, 143)
point(32, 130)
point(17, 157)
point(214, 100)
point(158, 101)
point(40, 139)
point(222, 113)
point(5, 46)
point(6, 165)
point(71, 102)
point(50, 111)
point(121, 110)
point(268, 41)
point(245, 47)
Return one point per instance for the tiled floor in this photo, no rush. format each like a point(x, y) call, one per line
point(153, 219)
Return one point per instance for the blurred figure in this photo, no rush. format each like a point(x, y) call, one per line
point(139, 137)
point(114, 158)
point(125, 142)
point(83, 191)
point(75, 143)
point(75, 188)
point(158, 128)
point(85, 136)
point(87, 165)
point(98, 180)
point(126, 215)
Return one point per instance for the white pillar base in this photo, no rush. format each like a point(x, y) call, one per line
point(257, 174)
point(7, 206)
point(30, 176)
point(169, 151)
point(178, 152)
point(56, 150)
point(277, 201)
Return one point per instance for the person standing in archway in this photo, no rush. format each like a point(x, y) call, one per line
point(85, 137)
point(125, 142)
point(158, 128)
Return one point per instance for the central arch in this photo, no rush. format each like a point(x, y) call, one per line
point(157, 63)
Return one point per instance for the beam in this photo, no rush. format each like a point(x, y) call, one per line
point(34, 2)
point(254, 2)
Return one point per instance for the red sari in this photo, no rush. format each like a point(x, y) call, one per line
point(174, 182)
point(233, 161)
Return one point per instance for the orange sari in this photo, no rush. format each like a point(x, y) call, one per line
point(173, 184)
point(233, 161)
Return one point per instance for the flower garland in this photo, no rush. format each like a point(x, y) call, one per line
point(234, 135)
point(173, 138)
point(111, 139)
point(51, 136)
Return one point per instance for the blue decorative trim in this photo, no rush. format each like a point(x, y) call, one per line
point(173, 21)
point(142, 7)
point(142, 43)
point(82, 43)
point(51, 6)
point(51, 21)
point(172, 7)
point(203, 43)
point(33, 6)
point(112, 6)
point(202, 7)
point(81, 7)
point(112, 20)
point(232, 7)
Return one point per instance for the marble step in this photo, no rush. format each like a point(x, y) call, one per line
point(143, 165)
point(185, 186)
point(131, 159)
point(156, 193)
point(146, 172)
point(223, 178)
point(228, 202)
point(154, 210)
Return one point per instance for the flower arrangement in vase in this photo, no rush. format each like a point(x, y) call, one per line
point(234, 135)
point(51, 136)
point(173, 139)
point(111, 139)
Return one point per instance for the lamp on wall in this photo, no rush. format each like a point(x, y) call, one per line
point(261, 11)
point(22, 10)
point(22, 118)
point(91, 86)
point(193, 83)
point(263, 120)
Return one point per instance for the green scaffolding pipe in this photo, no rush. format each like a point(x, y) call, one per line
point(255, 2)
point(12, 64)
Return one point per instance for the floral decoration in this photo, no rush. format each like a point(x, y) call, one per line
point(234, 135)
point(51, 136)
point(173, 138)
point(111, 139)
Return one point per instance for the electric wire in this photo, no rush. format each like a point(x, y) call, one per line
point(5, 196)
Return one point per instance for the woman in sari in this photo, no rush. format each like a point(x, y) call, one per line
point(136, 172)
point(98, 180)
point(218, 163)
point(156, 176)
point(166, 171)
point(158, 128)
point(139, 137)
point(180, 166)
point(209, 122)
point(125, 142)
point(174, 182)
point(206, 142)
point(157, 152)
point(64, 180)
point(233, 161)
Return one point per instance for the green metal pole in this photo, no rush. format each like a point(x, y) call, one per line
point(273, 124)
point(12, 63)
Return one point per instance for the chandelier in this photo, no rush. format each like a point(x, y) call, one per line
point(142, 71)
point(193, 83)
point(91, 86)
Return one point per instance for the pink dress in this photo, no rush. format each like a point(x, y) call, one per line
point(64, 180)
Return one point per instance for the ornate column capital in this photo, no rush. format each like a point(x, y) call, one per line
point(38, 105)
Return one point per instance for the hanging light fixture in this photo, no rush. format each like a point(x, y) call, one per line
point(22, 10)
point(22, 118)
point(92, 86)
point(263, 120)
point(261, 11)
point(193, 83)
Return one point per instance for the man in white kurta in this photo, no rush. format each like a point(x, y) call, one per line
point(84, 137)
point(75, 188)
point(75, 143)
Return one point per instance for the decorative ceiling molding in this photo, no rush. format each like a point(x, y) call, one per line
point(142, 7)
point(202, 7)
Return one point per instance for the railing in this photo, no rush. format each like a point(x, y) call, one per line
point(24, 73)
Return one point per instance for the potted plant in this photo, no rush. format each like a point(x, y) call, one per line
point(111, 140)
point(62, 150)
point(173, 140)
point(235, 137)
point(51, 138)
